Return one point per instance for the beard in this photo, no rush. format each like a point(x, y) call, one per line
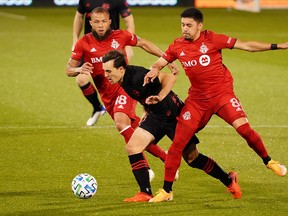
point(101, 37)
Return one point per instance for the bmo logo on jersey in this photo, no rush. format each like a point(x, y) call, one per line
point(96, 60)
point(203, 60)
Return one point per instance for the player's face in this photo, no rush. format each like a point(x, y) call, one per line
point(100, 23)
point(114, 75)
point(190, 28)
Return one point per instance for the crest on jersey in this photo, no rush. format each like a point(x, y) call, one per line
point(203, 48)
point(186, 115)
point(115, 44)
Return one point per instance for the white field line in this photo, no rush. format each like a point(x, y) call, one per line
point(112, 126)
point(12, 16)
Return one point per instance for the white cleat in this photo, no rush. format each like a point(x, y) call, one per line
point(176, 176)
point(94, 118)
point(151, 175)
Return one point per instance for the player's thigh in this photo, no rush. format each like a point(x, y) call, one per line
point(231, 109)
point(154, 126)
point(82, 79)
point(126, 105)
point(139, 141)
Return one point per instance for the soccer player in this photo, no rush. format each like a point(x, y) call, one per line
point(116, 8)
point(162, 107)
point(211, 91)
point(92, 47)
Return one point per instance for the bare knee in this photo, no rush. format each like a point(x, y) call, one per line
point(82, 79)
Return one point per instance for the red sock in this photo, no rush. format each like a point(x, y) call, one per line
point(253, 139)
point(127, 133)
point(157, 151)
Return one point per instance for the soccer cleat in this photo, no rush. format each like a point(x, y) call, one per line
point(234, 187)
point(151, 175)
point(176, 176)
point(95, 116)
point(277, 168)
point(161, 196)
point(139, 197)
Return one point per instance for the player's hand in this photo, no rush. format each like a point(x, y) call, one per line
point(154, 99)
point(173, 68)
point(150, 76)
point(86, 68)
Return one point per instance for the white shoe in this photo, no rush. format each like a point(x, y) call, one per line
point(94, 118)
point(176, 176)
point(151, 175)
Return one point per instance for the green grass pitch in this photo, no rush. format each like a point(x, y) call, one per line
point(44, 142)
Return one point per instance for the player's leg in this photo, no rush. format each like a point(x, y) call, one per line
point(199, 161)
point(136, 145)
point(125, 104)
point(91, 95)
point(233, 113)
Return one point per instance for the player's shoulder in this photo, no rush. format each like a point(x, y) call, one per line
point(136, 69)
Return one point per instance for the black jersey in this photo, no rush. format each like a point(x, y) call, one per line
point(115, 8)
point(133, 80)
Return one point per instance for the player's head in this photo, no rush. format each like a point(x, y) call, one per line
point(100, 22)
point(114, 65)
point(191, 23)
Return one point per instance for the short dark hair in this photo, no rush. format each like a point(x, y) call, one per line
point(118, 57)
point(193, 13)
point(100, 10)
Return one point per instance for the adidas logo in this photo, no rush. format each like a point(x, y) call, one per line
point(120, 106)
point(182, 54)
point(93, 50)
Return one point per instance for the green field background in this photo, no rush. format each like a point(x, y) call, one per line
point(44, 142)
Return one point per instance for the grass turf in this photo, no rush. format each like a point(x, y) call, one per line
point(44, 143)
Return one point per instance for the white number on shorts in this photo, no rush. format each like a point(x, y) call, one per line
point(121, 100)
point(235, 103)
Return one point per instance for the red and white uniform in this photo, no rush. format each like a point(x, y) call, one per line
point(211, 91)
point(113, 96)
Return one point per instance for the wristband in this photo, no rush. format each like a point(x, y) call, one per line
point(274, 46)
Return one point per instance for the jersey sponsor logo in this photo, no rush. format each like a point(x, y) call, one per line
point(203, 60)
point(93, 50)
point(115, 44)
point(96, 60)
point(187, 115)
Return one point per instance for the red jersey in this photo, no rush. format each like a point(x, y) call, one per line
point(202, 61)
point(92, 50)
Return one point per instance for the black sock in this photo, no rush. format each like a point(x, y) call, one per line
point(209, 166)
point(167, 186)
point(140, 171)
point(266, 160)
point(91, 95)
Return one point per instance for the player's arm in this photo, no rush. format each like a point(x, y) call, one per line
point(154, 70)
point(148, 47)
point(77, 26)
point(256, 46)
point(167, 81)
point(129, 23)
point(130, 26)
point(73, 69)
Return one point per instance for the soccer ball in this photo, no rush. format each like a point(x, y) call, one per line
point(84, 186)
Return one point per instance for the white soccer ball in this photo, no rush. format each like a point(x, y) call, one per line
point(84, 186)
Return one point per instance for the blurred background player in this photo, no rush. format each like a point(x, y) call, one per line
point(116, 8)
